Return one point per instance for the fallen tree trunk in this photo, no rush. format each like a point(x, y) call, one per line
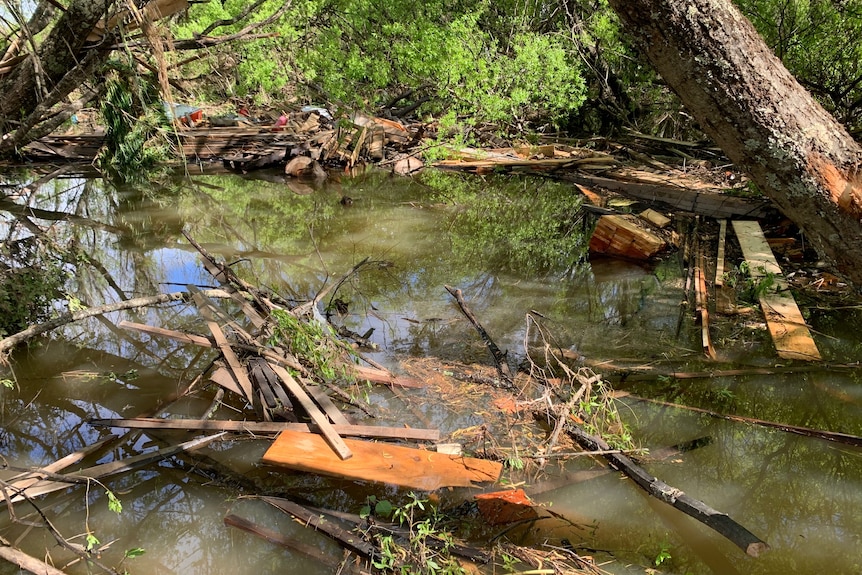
point(765, 121)
point(720, 522)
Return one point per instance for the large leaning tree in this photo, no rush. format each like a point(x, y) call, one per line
point(763, 119)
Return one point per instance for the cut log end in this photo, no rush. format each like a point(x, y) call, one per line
point(755, 549)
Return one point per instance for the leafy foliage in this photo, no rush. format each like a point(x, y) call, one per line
point(811, 38)
point(31, 280)
point(132, 112)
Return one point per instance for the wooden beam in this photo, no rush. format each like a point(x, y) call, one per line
point(789, 331)
point(410, 433)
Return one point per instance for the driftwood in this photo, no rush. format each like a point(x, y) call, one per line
point(296, 546)
point(314, 520)
point(33, 331)
point(720, 522)
point(26, 562)
point(498, 356)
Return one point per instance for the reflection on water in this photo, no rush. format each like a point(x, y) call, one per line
point(799, 494)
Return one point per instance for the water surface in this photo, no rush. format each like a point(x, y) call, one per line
point(798, 494)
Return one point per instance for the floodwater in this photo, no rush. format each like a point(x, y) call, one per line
point(801, 495)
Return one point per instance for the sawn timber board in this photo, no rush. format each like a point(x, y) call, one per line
point(380, 462)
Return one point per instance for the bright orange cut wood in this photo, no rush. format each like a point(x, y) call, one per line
point(381, 462)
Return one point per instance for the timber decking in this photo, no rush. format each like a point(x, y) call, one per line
point(788, 328)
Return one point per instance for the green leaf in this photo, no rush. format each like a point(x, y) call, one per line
point(134, 552)
point(114, 503)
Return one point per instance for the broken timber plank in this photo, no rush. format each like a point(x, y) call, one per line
point(318, 417)
point(620, 235)
point(384, 463)
point(790, 334)
point(703, 308)
point(381, 432)
point(236, 367)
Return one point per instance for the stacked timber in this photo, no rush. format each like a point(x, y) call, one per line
point(622, 235)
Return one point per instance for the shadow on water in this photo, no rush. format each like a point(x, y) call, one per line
point(511, 245)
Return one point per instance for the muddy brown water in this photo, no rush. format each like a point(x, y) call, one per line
point(801, 495)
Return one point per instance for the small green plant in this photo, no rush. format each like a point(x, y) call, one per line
point(600, 417)
point(313, 343)
point(663, 555)
point(425, 547)
point(7, 383)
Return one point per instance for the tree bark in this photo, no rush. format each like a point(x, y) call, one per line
point(764, 120)
point(36, 78)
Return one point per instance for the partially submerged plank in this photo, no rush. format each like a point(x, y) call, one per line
point(375, 375)
point(330, 435)
point(379, 462)
point(111, 468)
point(835, 436)
point(30, 478)
point(279, 539)
point(179, 336)
point(317, 522)
point(381, 432)
point(789, 331)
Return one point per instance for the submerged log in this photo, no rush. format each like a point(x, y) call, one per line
point(720, 522)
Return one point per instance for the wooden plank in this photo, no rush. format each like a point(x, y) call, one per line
point(30, 478)
point(111, 468)
point(326, 404)
point(168, 333)
point(719, 259)
point(374, 375)
point(235, 366)
point(298, 392)
point(384, 463)
point(381, 432)
point(707, 202)
point(222, 376)
point(790, 334)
